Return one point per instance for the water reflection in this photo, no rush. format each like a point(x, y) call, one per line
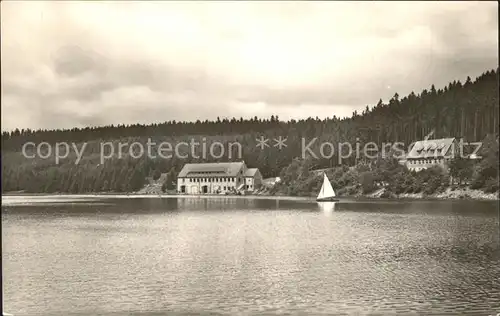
point(258, 256)
point(327, 207)
point(215, 203)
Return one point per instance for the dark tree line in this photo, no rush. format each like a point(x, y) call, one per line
point(466, 110)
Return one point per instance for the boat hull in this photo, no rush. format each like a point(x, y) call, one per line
point(328, 199)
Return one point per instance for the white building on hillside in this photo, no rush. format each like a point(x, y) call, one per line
point(431, 152)
point(216, 178)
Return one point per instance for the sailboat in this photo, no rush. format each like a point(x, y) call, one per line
point(326, 194)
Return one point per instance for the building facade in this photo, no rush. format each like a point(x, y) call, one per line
point(253, 179)
point(432, 152)
point(217, 178)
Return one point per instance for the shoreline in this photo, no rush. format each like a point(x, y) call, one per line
point(464, 194)
point(448, 194)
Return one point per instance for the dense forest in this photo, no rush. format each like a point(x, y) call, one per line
point(466, 110)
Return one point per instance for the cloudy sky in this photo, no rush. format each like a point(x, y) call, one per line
point(75, 64)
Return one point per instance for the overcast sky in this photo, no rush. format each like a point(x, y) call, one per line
point(75, 64)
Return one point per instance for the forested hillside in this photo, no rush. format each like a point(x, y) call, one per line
point(466, 110)
point(387, 176)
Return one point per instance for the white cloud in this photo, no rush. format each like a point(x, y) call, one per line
point(88, 60)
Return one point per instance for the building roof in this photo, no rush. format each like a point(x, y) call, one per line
point(431, 148)
point(219, 169)
point(251, 172)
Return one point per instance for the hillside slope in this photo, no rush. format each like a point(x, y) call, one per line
point(468, 110)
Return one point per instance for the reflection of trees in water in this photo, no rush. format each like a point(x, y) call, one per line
point(164, 204)
point(242, 203)
point(148, 205)
point(124, 206)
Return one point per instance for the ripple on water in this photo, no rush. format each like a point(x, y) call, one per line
point(250, 263)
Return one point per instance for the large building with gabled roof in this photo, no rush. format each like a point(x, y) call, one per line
point(217, 178)
point(431, 152)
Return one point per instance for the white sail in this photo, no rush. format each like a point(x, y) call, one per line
point(326, 189)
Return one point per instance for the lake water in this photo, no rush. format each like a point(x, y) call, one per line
point(242, 256)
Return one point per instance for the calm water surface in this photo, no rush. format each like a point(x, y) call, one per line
point(238, 256)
